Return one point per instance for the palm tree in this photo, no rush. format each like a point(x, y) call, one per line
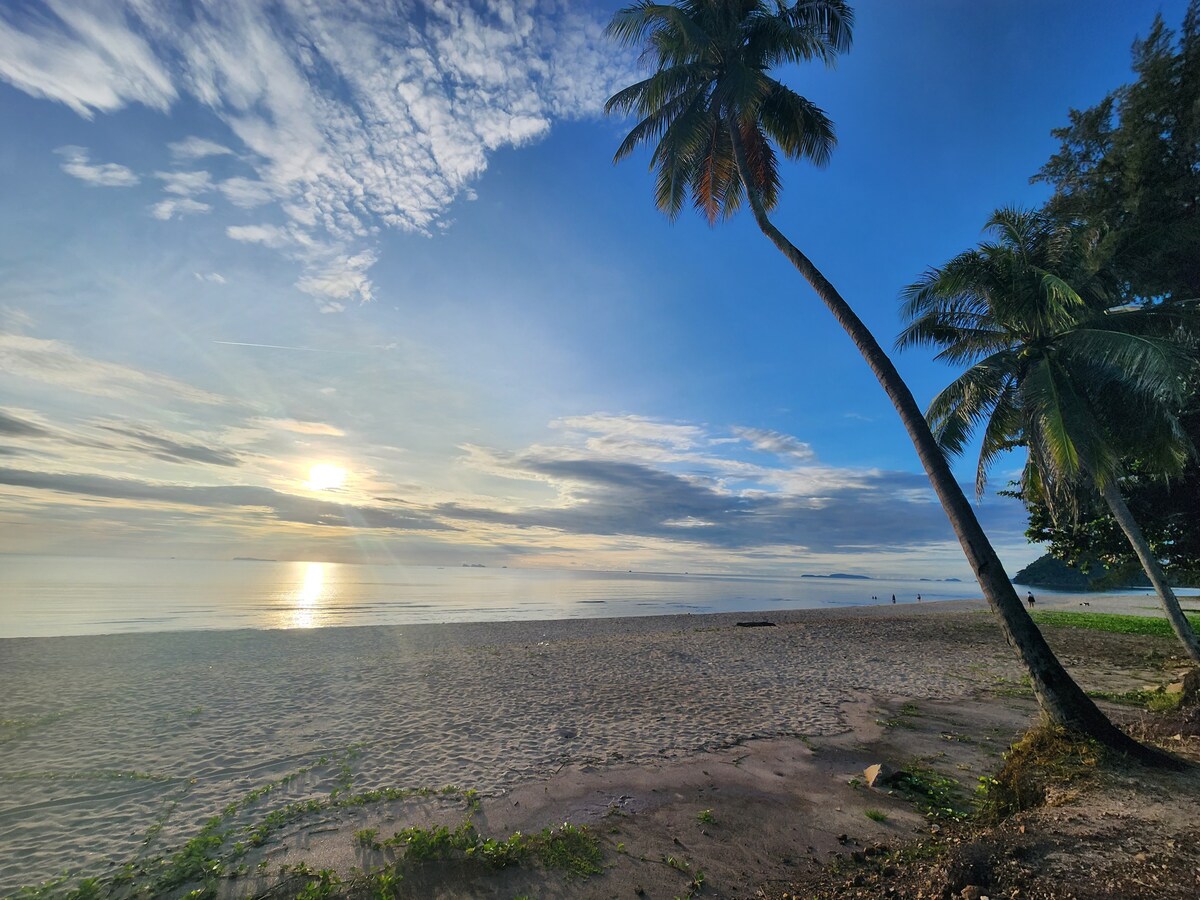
point(714, 117)
point(1057, 367)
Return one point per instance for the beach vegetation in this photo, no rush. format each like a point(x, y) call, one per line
point(1063, 367)
point(714, 119)
point(935, 795)
point(875, 815)
point(365, 837)
point(706, 817)
point(1046, 757)
point(1115, 623)
point(1156, 700)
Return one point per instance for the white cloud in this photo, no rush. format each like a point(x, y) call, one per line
point(77, 164)
point(91, 59)
point(775, 442)
point(177, 207)
point(193, 148)
point(268, 235)
point(351, 114)
point(634, 429)
point(338, 279)
point(185, 184)
point(246, 192)
point(300, 427)
point(214, 277)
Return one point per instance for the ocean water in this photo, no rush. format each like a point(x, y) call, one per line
point(46, 596)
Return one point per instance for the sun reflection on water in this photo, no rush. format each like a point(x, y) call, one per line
point(308, 598)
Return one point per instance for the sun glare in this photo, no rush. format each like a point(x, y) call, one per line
point(325, 477)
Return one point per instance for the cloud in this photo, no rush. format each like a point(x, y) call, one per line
point(177, 207)
point(270, 503)
point(172, 449)
point(299, 427)
point(13, 426)
point(246, 193)
point(606, 497)
point(58, 363)
point(98, 175)
point(639, 478)
point(88, 58)
point(350, 115)
point(193, 148)
point(212, 277)
point(268, 235)
point(776, 442)
point(185, 184)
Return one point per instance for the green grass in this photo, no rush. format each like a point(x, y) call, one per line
point(706, 817)
point(875, 815)
point(1111, 622)
point(1156, 701)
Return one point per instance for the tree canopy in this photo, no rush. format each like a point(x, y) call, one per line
point(1131, 165)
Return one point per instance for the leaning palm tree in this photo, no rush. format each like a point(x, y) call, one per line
point(1058, 368)
point(714, 117)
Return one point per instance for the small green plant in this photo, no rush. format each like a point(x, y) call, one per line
point(572, 848)
point(875, 815)
point(365, 837)
point(705, 817)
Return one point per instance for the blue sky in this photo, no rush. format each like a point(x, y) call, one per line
point(389, 239)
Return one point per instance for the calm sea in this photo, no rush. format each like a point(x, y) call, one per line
point(44, 596)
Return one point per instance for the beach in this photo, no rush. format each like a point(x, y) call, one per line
point(116, 748)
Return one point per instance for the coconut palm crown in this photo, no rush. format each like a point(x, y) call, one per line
point(1058, 369)
point(713, 58)
point(1057, 366)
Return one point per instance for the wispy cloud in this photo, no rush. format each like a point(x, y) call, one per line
point(775, 442)
point(77, 164)
point(349, 115)
point(175, 207)
point(272, 504)
point(58, 363)
point(193, 148)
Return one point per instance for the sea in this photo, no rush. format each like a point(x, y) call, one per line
point(47, 596)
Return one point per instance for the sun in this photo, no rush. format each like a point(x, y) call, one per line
point(325, 477)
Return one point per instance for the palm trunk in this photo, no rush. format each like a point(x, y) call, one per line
point(1179, 623)
point(1062, 700)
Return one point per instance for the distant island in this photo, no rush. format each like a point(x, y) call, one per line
point(474, 566)
point(840, 575)
point(252, 559)
point(1056, 575)
point(958, 580)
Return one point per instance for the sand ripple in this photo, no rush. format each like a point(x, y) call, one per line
point(121, 745)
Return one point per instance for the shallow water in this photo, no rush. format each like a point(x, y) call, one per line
point(45, 596)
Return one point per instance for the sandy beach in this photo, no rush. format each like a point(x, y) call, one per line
point(117, 748)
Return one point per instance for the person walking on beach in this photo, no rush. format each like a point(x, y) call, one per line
point(918, 598)
point(893, 598)
point(1030, 600)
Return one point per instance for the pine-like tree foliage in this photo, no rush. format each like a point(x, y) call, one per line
point(1131, 164)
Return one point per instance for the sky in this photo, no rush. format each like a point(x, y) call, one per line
point(360, 282)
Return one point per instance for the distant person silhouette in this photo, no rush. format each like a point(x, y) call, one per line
point(918, 598)
point(1030, 600)
point(893, 598)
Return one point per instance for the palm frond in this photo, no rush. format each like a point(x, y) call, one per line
point(798, 125)
point(956, 412)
